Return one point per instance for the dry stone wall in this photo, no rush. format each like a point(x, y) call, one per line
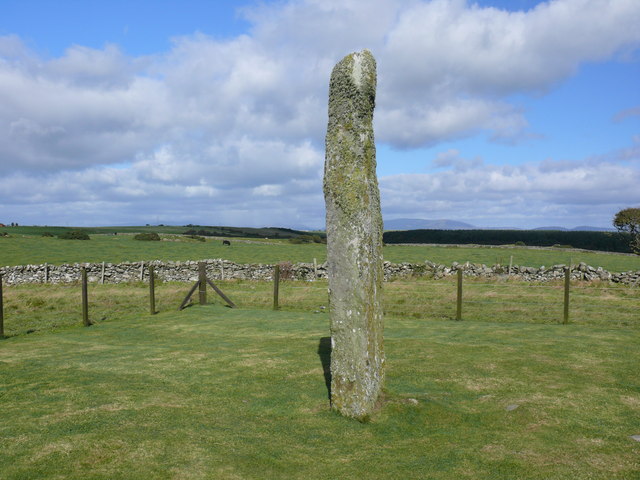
point(581, 271)
point(219, 269)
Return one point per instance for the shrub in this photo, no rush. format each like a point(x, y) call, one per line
point(74, 235)
point(520, 243)
point(48, 234)
point(148, 237)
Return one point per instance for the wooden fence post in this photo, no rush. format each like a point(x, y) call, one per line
point(85, 299)
point(202, 283)
point(315, 269)
point(510, 264)
point(152, 290)
point(102, 275)
point(567, 282)
point(1, 310)
point(459, 296)
point(276, 286)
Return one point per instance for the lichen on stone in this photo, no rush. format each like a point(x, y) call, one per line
point(354, 238)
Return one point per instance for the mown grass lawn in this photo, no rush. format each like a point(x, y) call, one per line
point(212, 392)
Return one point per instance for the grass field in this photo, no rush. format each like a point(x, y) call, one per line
point(213, 392)
point(38, 308)
point(32, 249)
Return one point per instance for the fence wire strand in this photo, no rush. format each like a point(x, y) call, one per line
point(539, 304)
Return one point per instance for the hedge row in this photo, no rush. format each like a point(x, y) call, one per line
point(602, 241)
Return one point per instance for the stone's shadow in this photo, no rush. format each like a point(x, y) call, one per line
point(324, 352)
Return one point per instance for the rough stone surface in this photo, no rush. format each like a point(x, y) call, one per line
point(219, 269)
point(354, 238)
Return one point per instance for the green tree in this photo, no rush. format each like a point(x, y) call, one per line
point(628, 221)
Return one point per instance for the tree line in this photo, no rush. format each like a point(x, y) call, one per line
point(602, 241)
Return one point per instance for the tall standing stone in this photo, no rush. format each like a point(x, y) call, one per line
point(354, 238)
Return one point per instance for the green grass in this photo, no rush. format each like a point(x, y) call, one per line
point(31, 249)
point(213, 392)
point(21, 250)
point(531, 257)
point(57, 230)
point(30, 308)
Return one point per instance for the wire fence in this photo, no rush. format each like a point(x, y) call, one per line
point(452, 298)
point(569, 302)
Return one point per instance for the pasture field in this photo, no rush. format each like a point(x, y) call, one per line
point(39, 308)
point(213, 392)
point(32, 249)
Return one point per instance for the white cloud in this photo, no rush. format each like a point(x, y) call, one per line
point(454, 62)
point(570, 192)
point(88, 67)
point(268, 191)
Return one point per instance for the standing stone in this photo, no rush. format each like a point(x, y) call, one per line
point(354, 238)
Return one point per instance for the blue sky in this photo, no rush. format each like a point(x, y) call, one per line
point(498, 113)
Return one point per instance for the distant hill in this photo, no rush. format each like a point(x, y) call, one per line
point(582, 228)
point(419, 223)
point(553, 229)
point(246, 232)
point(592, 229)
point(444, 224)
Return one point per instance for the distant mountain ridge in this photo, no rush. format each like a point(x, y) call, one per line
point(581, 228)
point(420, 223)
point(445, 224)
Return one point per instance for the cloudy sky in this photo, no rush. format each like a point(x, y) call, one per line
point(516, 113)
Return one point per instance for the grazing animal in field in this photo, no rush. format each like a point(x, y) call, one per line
point(226, 242)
